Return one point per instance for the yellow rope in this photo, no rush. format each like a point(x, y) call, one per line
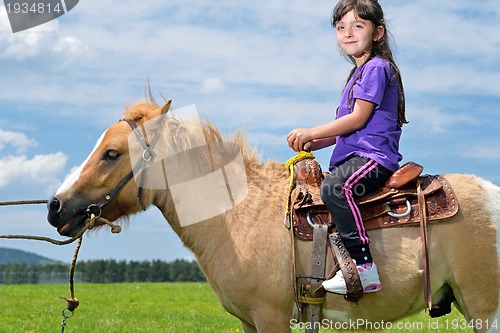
point(302, 155)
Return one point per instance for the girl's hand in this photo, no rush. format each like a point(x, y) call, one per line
point(299, 139)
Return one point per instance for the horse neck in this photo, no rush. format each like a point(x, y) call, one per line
point(195, 236)
point(214, 240)
point(208, 240)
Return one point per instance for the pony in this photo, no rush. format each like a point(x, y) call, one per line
point(246, 251)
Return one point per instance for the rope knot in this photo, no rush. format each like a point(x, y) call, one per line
point(116, 229)
point(73, 303)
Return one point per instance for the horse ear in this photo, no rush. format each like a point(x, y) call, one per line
point(166, 107)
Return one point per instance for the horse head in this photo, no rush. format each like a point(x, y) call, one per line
point(101, 185)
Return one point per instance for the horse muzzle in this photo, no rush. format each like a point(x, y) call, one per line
point(68, 220)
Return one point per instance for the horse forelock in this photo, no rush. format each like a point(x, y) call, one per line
point(140, 110)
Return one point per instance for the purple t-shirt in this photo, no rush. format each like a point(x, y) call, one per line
point(379, 138)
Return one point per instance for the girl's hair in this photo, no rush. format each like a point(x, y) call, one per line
point(372, 11)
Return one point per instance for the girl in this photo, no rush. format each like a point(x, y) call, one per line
point(366, 131)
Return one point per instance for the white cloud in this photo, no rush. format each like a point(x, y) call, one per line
point(212, 85)
point(433, 120)
point(17, 140)
point(69, 46)
point(447, 46)
point(488, 152)
point(37, 41)
point(4, 21)
point(41, 169)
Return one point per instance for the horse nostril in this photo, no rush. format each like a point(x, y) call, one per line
point(54, 205)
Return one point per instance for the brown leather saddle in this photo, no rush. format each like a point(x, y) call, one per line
point(394, 205)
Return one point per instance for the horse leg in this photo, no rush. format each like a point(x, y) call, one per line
point(477, 306)
point(266, 319)
point(247, 328)
point(268, 326)
point(274, 326)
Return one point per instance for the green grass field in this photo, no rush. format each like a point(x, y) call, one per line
point(142, 307)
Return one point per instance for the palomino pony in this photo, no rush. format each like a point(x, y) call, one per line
point(246, 252)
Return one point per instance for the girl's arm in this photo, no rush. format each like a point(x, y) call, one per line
point(298, 137)
point(320, 143)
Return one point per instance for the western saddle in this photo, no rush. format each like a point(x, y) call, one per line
point(407, 199)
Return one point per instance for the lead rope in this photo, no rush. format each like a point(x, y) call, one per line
point(72, 302)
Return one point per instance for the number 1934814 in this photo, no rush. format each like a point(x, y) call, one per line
point(475, 324)
point(34, 8)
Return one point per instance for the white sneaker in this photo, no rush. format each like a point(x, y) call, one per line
point(368, 275)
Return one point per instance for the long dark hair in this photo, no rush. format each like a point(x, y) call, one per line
point(371, 10)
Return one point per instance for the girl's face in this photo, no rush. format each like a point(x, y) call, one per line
point(356, 36)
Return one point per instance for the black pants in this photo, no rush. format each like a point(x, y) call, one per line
point(354, 178)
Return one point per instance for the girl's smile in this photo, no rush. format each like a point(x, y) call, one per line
point(356, 36)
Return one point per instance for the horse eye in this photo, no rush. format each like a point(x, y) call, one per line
point(111, 155)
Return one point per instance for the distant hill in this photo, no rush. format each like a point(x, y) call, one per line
point(13, 256)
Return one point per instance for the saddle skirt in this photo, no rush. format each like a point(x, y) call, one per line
point(394, 205)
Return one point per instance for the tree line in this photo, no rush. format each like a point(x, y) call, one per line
point(103, 271)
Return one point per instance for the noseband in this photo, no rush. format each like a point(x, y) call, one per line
point(147, 155)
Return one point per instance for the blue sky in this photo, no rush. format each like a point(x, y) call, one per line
point(263, 66)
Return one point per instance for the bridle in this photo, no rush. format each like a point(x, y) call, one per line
point(147, 156)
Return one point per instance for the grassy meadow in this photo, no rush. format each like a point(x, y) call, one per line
point(142, 307)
